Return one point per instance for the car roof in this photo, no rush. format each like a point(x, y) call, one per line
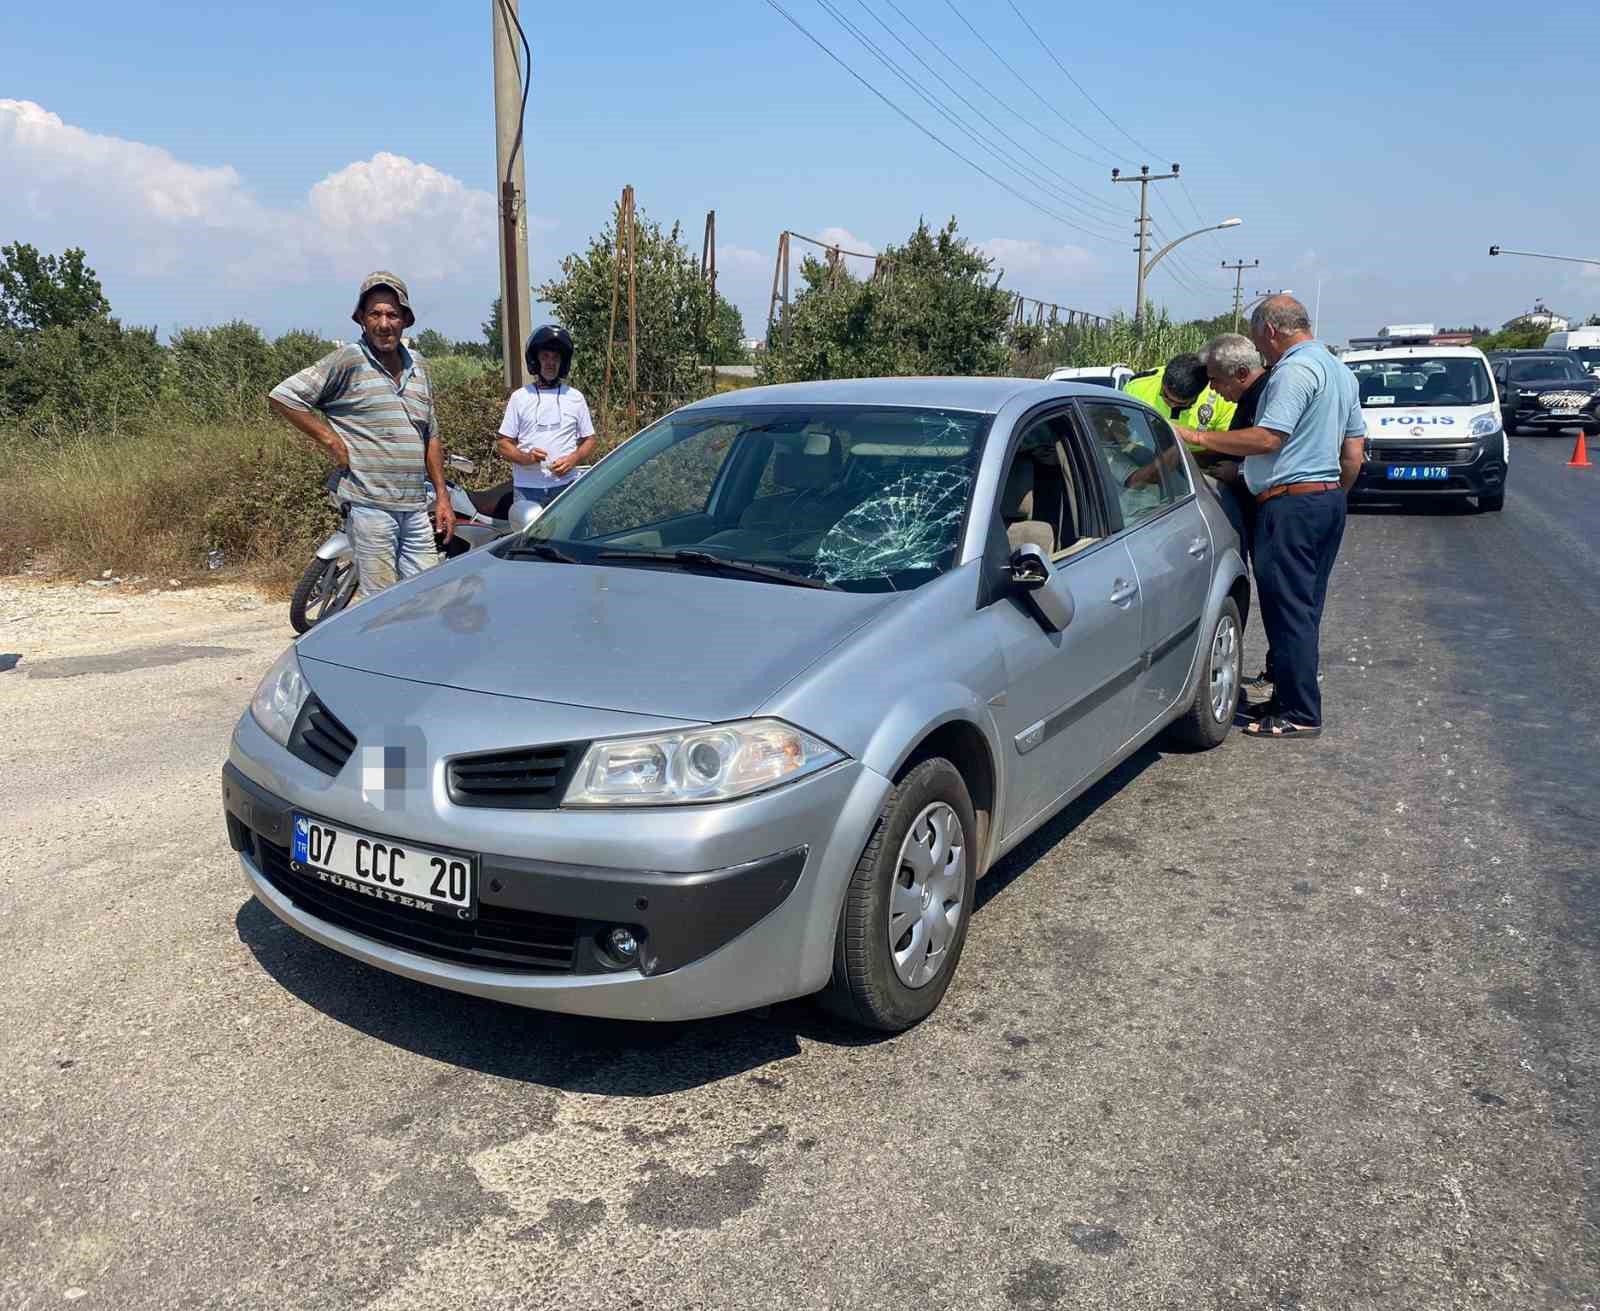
point(981, 395)
point(1414, 352)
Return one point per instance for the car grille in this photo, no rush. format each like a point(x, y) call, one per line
point(500, 938)
point(321, 740)
point(528, 778)
point(1424, 454)
point(1564, 400)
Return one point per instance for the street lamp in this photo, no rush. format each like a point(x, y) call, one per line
point(1533, 254)
point(1144, 269)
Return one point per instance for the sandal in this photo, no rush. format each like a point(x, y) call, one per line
point(1275, 726)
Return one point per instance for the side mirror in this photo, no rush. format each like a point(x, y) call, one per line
point(1029, 568)
point(524, 514)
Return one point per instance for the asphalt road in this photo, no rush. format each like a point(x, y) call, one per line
point(1286, 1025)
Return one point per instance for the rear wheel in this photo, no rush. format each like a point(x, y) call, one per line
point(1216, 697)
point(324, 589)
point(908, 904)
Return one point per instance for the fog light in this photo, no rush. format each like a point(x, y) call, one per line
point(622, 945)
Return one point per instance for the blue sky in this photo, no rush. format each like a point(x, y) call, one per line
point(252, 161)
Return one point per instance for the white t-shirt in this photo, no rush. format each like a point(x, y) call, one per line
point(550, 419)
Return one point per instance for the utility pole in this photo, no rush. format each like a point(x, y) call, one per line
point(515, 301)
point(1144, 178)
point(1238, 286)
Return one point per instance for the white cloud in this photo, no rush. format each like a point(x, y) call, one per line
point(742, 259)
point(1036, 259)
point(199, 237)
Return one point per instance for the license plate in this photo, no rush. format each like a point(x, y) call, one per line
point(1564, 414)
point(1417, 472)
point(399, 873)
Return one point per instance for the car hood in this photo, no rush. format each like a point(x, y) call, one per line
point(1585, 384)
point(1433, 422)
point(642, 640)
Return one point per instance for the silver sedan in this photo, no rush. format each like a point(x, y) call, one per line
point(746, 714)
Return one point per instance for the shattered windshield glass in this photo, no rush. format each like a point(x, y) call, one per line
point(865, 498)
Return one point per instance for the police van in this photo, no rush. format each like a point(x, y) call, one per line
point(1433, 423)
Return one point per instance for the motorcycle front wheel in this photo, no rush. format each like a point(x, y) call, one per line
point(324, 589)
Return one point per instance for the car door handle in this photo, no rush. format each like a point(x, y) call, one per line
point(1123, 591)
point(1197, 548)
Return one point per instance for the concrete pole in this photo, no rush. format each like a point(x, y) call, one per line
point(516, 301)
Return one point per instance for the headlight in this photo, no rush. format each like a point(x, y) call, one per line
point(276, 704)
point(1485, 425)
point(703, 764)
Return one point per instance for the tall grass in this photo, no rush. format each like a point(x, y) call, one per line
point(1035, 351)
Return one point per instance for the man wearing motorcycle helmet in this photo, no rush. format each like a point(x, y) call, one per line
point(546, 432)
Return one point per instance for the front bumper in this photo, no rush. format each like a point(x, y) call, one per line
point(1484, 471)
point(1538, 420)
point(738, 908)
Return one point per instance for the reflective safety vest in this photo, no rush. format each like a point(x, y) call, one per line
point(1209, 411)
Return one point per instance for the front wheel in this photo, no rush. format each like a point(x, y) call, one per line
point(1488, 501)
point(909, 901)
point(1210, 714)
point(324, 589)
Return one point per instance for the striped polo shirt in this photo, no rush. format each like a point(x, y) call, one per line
point(386, 423)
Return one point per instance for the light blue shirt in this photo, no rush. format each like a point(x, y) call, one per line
point(1314, 400)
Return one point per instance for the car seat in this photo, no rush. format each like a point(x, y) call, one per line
point(1016, 509)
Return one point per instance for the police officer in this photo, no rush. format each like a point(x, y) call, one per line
point(1180, 394)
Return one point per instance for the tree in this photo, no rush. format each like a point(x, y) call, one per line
point(493, 333)
point(671, 297)
point(935, 310)
point(431, 343)
point(43, 291)
point(1593, 321)
point(727, 334)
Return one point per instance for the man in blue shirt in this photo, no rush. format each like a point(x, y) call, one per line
point(1301, 456)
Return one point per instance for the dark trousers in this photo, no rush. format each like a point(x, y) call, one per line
point(1297, 541)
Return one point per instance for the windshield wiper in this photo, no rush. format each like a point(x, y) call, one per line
point(718, 563)
point(538, 550)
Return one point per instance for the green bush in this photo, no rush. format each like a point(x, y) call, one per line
point(935, 310)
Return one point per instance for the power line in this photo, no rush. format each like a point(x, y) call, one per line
point(1030, 86)
point(932, 136)
point(1030, 121)
point(1182, 263)
point(945, 82)
point(955, 121)
point(1140, 145)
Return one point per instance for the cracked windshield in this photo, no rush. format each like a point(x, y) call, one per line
point(858, 498)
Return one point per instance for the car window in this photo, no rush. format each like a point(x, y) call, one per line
point(1139, 460)
point(866, 498)
point(1041, 502)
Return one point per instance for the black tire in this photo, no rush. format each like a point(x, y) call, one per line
point(1202, 726)
point(1491, 501)
point(324, 589)
point(867, 988)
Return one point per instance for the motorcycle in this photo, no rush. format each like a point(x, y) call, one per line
point(330, 579)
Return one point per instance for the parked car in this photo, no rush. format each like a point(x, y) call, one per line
point(1433, 425)
point(1114, 376)
point(1546, 391)
point(747, 711)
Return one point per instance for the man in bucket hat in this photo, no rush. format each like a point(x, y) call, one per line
point(370, 408)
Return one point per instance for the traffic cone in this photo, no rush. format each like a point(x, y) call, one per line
point(1580, 453)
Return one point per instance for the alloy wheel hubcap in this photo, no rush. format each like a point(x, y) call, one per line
point(928, 896)
point(1224, 670)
